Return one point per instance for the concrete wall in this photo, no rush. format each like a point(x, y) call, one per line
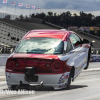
point(95, 58)
point(3, 59)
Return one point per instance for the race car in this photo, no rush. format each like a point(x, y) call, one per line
point(48, 58)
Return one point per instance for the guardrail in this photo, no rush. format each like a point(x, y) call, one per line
point(90, 35)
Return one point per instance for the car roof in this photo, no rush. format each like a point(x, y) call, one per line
point(60, 34)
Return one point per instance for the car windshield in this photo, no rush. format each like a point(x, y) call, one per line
point(40, 45)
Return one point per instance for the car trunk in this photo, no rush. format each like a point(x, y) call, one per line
point(41, 62)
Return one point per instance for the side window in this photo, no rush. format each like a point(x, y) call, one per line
point(75, 40)
point(69, 46)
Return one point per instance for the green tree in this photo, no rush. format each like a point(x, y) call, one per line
point(50, 13)
point(21, 17)
point(8, 17)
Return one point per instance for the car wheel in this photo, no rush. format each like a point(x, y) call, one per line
point(86, 65)
point(88, 59)
point(13, 87)
point(69, 82)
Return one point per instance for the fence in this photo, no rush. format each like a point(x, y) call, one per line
point(5, 49)
point(95, 51)
point(13, 17)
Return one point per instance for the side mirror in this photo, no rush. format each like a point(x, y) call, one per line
point(85, 41)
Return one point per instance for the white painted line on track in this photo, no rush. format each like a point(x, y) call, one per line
point(92, 69)
point(2, 77)
point(3, 82)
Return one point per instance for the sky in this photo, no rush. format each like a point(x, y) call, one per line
point(58, 6)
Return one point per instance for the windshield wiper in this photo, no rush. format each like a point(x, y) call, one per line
point(34, 52)
point(39, 50)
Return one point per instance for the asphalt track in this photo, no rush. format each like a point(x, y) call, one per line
point(85, 87)
point(95, 44)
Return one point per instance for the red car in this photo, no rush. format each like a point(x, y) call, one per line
point(47, 57)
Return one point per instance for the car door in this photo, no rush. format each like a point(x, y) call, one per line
point(79, 54)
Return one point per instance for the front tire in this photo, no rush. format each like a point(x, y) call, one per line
point(69, 82)
point(89, 54)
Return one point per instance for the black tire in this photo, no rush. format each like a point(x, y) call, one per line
point(13, 87)
point(89, 54)
point(87, 65)
point(69, 82)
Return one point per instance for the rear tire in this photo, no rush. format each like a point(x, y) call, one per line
point(13, 87)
